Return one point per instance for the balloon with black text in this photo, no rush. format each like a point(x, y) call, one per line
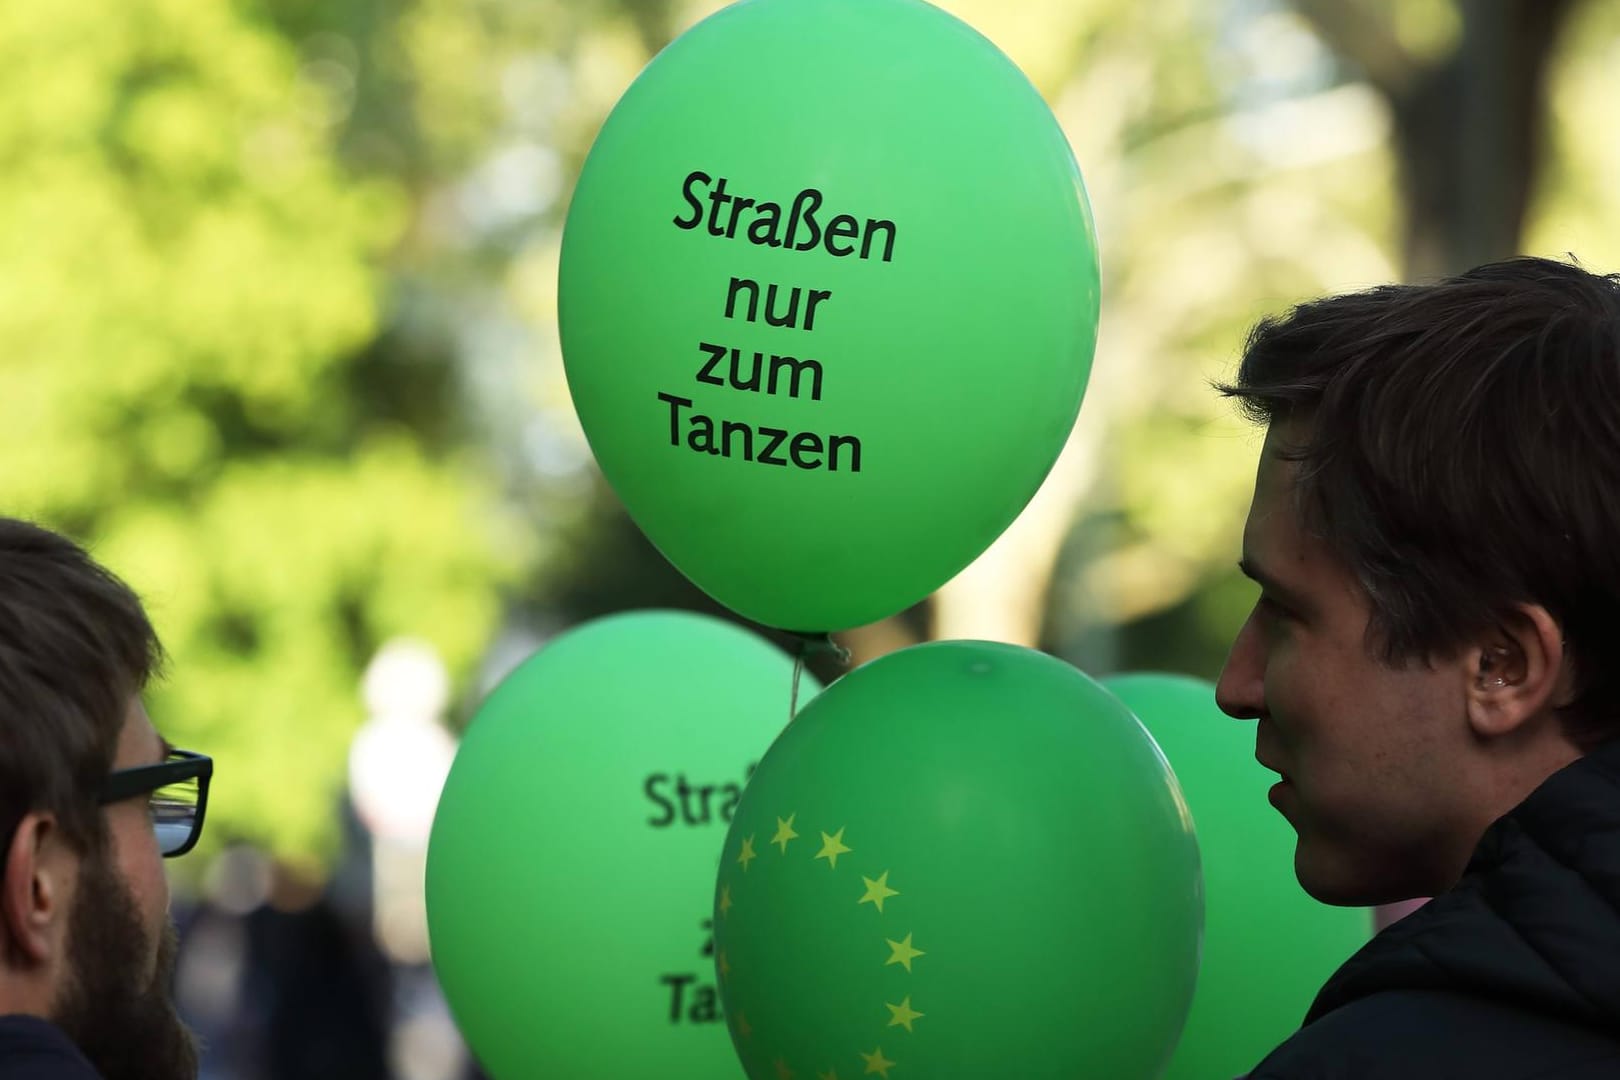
point(571, 864)
point(828, 299)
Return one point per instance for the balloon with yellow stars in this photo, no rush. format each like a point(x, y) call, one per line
point(966, 861)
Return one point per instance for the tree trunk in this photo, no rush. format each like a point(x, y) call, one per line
point(1469, 133)
point(1469, 127)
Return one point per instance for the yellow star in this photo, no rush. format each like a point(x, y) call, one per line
point(747, 855)
point(784, 832)
point(903, 1014)
point(725, 901)
point(782, 1071)
point(832, 847)
point(877, 1063)
point(725, 965)
point(878, 891)
point(901, 952)
point(743, 1025)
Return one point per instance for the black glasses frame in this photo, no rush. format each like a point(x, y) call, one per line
point(181, 765)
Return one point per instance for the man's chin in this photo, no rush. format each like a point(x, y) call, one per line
point(1327, 879)
point(126, 1024)
point(131, 1035)
point(1332, 879)
point(181, 1051)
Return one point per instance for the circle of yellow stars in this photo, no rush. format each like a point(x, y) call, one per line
point(876, 891)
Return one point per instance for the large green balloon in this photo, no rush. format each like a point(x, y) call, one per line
point(570, 873)
point(828, 302)
point(1268, 947)
point(964, 861)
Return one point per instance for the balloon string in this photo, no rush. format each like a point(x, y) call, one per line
point(798, 673)
point(811, 645)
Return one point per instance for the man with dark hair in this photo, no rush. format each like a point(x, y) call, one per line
point(91, 800)
point(1432, 663)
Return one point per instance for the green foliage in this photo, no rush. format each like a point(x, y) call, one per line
point(188, 324)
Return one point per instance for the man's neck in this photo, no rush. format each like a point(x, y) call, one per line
point(23, 994)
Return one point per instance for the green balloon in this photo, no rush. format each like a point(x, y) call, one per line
point(1268, 946)
point(570, 871)
point(828, 301)
point(963, 860)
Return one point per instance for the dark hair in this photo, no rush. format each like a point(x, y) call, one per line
point(1459, 450)
point(75, 646)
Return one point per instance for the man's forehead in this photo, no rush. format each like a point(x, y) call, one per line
point(1274, 493)
point(1278, 542)
point(139, 742)
point(1275, 536)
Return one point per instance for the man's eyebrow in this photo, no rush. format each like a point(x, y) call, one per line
point(1269, 583)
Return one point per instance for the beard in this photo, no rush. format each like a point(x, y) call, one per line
point(121, 1015)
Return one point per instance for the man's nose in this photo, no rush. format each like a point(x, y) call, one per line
point(1240, 691)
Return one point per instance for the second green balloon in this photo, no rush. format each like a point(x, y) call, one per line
point(966, 861)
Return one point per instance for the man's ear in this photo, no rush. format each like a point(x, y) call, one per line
point(1517, 672)
point(34, 891)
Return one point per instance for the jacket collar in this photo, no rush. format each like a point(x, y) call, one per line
point(1535, 920)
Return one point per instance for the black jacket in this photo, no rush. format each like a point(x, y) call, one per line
point(1512, 975)
point(31, 1049)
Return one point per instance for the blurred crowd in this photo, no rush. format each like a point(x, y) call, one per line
point(292, 972)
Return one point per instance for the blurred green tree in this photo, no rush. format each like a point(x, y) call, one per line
point(198, 382)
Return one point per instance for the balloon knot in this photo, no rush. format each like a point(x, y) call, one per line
point(819, 644)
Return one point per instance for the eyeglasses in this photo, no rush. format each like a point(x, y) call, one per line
point(178, 793)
